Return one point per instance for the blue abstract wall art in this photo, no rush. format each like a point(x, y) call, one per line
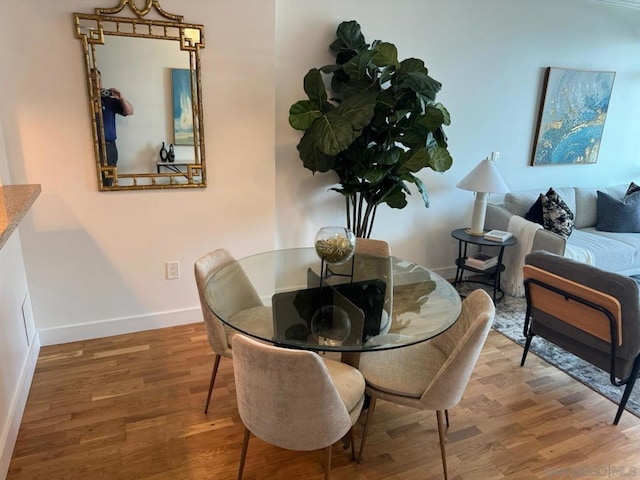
point(182, 106)
point(572, 116)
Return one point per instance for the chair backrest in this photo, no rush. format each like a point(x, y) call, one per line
point(583, 341)
point(571, 302)
point(461, 346)
point(287, 397)
point(238, 290)
point(371, 246)
point(378, 269)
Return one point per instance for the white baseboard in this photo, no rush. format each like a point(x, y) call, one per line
point(9, 433)
point(118, 326)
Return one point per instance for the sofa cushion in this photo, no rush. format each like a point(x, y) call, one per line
point(615, 252)
point(586, 212)
point(619, 215)
point(558, 217)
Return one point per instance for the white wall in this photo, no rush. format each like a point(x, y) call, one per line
point(490, 56)
point(95, 260)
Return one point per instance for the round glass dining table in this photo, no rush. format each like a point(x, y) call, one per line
point(368, 303)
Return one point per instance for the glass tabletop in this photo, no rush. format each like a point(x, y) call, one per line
point(368, 303)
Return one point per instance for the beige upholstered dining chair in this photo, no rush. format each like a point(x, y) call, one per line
point(371, 246)
point(432, 375)
point(294, 399)
point(380, 269)
point(240, 295)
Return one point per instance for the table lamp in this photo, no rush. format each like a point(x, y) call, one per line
point(483, 179)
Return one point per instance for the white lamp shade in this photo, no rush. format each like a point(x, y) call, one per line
point(484, 178)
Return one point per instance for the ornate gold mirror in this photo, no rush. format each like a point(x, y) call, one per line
point(145, 96)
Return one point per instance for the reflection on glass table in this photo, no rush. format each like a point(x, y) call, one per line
point(386, 303)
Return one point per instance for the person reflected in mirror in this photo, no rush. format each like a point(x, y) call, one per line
point(113, 103)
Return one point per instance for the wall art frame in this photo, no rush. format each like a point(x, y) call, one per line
point(572, 115)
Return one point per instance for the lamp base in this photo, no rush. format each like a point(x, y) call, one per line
point(470, 231)
point(479, 210)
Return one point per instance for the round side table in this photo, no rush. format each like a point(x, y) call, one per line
point(492, 273)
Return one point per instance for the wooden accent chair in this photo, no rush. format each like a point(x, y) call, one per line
point(240, 295)
point(589, 312)
point(431, 375)
point(293, 399)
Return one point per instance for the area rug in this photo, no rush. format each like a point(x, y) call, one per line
point(509, 321)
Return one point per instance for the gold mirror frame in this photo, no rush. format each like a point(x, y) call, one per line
point(92, 29)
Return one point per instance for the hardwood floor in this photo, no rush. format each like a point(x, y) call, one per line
point(131, 407)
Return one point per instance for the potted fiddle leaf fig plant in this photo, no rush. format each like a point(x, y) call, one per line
point(376, 126)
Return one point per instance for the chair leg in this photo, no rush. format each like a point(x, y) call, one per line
point(372, 405)
point(526, 349)
point(446, 416)
point(352, 439)
point(216, 363)
point(627, 389)
point(327, 463)
point(243, 455)
point(442, 450)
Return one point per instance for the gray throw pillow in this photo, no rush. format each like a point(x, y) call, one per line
point(619, 215)
point(632, 189)
point(557, 215)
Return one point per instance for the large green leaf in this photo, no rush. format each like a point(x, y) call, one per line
point(358, 109)
point(415, 160)
point(332, 133)
point(432, 119)
point(445, 113)
point(314, 87)
point(385, 54)
point(422, 84)
point(396, 198)
point(413, 137)
point(409, 65)
point(311, 157)
point(374, 176)
point(440, 159)
point(389, 157)
point(357, 67)
point(302, 114)
point(349, 37)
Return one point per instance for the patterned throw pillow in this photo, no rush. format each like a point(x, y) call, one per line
point(619, 215)
point(632, 189)
point(558, 217)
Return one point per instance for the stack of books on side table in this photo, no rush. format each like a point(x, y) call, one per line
point(497, 235)
point(481, 261)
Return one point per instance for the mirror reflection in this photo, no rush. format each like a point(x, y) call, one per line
point(144, 85)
